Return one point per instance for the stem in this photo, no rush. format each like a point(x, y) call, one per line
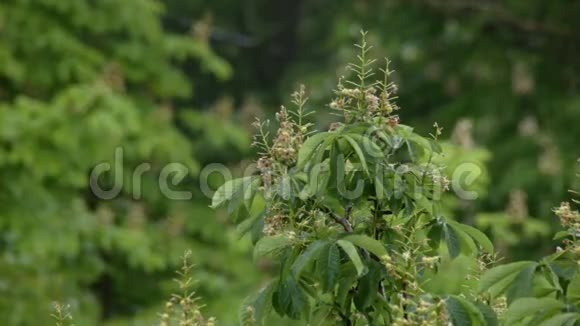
point(342, 221)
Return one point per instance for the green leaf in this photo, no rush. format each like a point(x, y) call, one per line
point(560, 234)
point(411, 148)
point(526, 307)
point(257, 231)
point(404, 130)
point(562, 319)
point(462, 312)
point(468, 247)
point(307, 256)
point(246, 226)
point(371, 245)
point(478, 236)
point(271, 246)
point(457, 312)
point(501, 273)
point(355, 146)
point(371, 149)
point(573, 290)
point(320, 316)
point(239, 194)
point(352, 253)
point(258, 306)
point(488, 314)
point(434, 235)
point(379, 183)
point(347, 280)
point(290, 298)
point(522, 285)
point(368, 286)
point(233, 190)
point(309, 148)
point(421, 142)
point(551, 277)
point(384, 137)
point(328, 266)
point(452, 240)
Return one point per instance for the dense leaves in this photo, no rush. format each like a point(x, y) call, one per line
point(347, 214)
point(353, 219)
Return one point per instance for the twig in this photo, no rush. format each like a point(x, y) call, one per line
point(342, 221)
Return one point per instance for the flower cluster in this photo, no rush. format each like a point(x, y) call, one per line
point(568, 217)
point(264, 165)
point(365, 104)
point(441, 180)
point(288, 139)
point(273, 224)
point(185, 307)
point(282, 152)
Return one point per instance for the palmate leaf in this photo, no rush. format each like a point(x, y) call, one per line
point(271, 246)
point(466, 235)
point(233, 190)
point(573, 290)
point(463, 312)
point(452, 240)
point(369, 147)
point(336, 167)
point(319, 317)
point(527, 307)
point(498, 279)
point(553, 283)
point(289, 299)
point(368, 286)
point(359, 152)
point(347, 279)
point(309, 147)
point(412, 150)
point(238, 194)
point(457, 312)
point(488, 314)
point(522, 285)
point(255, 308)
point(371, 245)
point(404, 130)
point(328, 266)
point(352, 253)
point(566, 319)
point(379, 183)
point(477, 235)
point(468, 246)
point(248, 225)
point(308, 256)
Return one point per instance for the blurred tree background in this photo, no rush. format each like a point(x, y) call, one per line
point(180, 81)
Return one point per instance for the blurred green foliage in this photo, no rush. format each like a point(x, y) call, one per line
point(174, 81)
point(79, 80)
